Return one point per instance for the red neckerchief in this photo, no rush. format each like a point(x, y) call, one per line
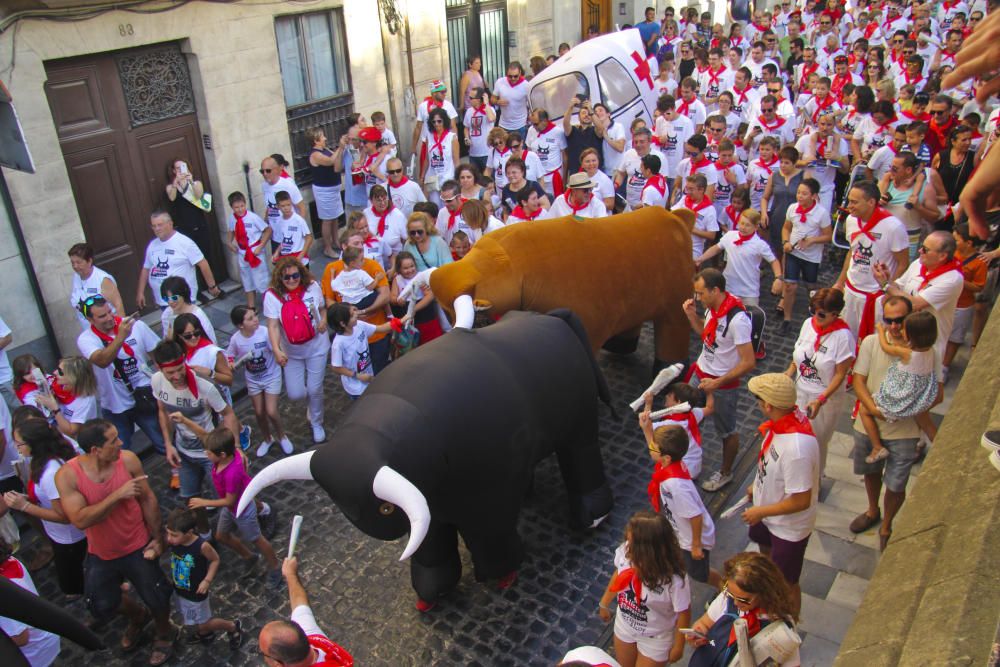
point(752, 618)
point(803, 213)
point(452, 215)
point(586, 204)
point(382, 216)
point(740, 240)
point(950, 55)
point(547, 128)
point(728, 303)
point(924, 117)
point(906, 77)
point(64, 395)
point(661, 473)
point(742, 94)
point(761, 29)
point(189, 352)
point(928, 276)
point(878, 215)
point(735, 41)
point(836, 325)
point(106, 339)
point(243, 242)
point(837, 84)
point(371, 240)
point(25, 389)
point(703, 204)
point(438, 142)
point(683, 107)
point(806, 71)
point(658, 183)
point(714, 43)
point(702, 163)
point(368, 162)
point(431, 103)
point(516, 83)
point(189, 377)
point(479, 111)
point(821, 146)
point(12, 569)
point(852, 60)
point(769, 166)
point(822, 105)
point(794, 422)
point(713, 77)
point(692, 424)
point(870, 29)
point(948, 6)
point(702, 70)
point(402, 181)
point(520, 213)
point(284, 173)
point(778, 122)
point(626, 578)
point(829, 52)
point(941, 131)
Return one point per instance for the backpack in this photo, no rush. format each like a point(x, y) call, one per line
point(404, 341)
point(296, 320)
point(757, 321)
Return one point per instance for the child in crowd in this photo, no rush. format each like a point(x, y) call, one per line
point(25, 386)
point(230, 477)
point(460, 245)
point(425, 313)
point(355, 285)
point(702, 405)
point(349, 352)
point(974, 271)
point(375, 247)
point(388, 138)
point(673, 494)
point(744, 251)
point(652, 593)
point(910, 386)
point(293, 234)
point(194, 564)
point(249, 237)
point(250, 346)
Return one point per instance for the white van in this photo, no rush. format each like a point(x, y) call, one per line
point(611, 69)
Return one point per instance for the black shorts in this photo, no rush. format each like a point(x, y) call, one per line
point(103, 580)
point(696, 569)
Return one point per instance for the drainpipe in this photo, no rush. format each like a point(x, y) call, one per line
point(22, 247)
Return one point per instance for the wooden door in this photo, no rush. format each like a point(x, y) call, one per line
point(595, 12)
point(121, 117)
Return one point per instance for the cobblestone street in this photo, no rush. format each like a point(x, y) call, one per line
point(361, 593)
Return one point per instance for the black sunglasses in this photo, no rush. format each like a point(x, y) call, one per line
point(266, 171)
point(191, 335)
point(395, 171)
point(291, 276)
point(416, 232)
point(893, 320)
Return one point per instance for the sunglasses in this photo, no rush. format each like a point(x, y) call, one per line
point(266, 171)
point(767, 110)
point(174, 297)
point(90, 302)
point(291, 276)
point(925, 249)
point(416, 232)
point(942, 112)
point(893, 320)
point(191, 335)
point(735, 598)
point(449, 199)
point(438, 121)
point(691, 153)
point(395, 171)
point(821, 314)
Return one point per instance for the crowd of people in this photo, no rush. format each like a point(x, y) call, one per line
point(792, 129)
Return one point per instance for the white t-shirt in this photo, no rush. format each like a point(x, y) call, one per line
point(283, 184)
point(177, 256)
point(672, 135)
point(424, 113)
point(394, 235)
point(255, 227)
point(815, 369)
point(821, 169)
point(612, 157)
point(758, 174)
point(655, 615)
point(261, 368)
point(353, 285)
point(6, 374)
point(791, 465)
point(167, 318)
point(631, 166)
point(42, 647)
point(743, 263)
point(404, 196)
point(605, 186)
point(200, 410)
point(724, 188)
point(80, 409)
point(479, 126)
point(82, 289)
point(681, 503)
point(594, 209)
point(941, 294)
point(352, 352)
point(872, 135)
point(817, 219)
point(514, 116)
point(497, 163)
point(722, 357)
point(549, 145)
point(694, 110)
point(704, 221)
point(111, 389)
point(652, 196)
point(46, 492)
point(10, 453)
point(290, 233)
point(890, 236)
point(314, 301)
point(881, 161)
point(711, 83)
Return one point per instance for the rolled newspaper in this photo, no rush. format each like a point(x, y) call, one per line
point(672, 410)
point(732, 511)
point(293, 539)
point(663, 378)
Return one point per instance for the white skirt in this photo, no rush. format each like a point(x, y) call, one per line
point(329, 203)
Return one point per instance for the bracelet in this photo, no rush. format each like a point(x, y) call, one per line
point(822, 399)
point(603, 606)
point(212, 286)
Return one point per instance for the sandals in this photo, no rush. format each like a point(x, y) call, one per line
point(133, 633)
point(875, 457)
point(163, 649)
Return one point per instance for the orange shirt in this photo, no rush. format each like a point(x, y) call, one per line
point(372, 268)
point(975, 272)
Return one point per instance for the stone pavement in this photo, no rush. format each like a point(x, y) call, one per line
point(361, 594)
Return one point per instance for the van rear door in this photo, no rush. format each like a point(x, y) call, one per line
point(620, 94)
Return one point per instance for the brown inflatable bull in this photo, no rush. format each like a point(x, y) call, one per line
point(615, 273)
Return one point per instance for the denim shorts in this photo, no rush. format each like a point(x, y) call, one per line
point(797, 269)
point(244, 525)
point(895, 468)
point(103, 580)
point(193, 474)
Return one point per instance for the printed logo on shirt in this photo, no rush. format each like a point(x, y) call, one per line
point(807, 369)
point(160, 269)
point(257, 364)
point(180, 568)
point(862, 255)
point(477, 126)
point(286, 244)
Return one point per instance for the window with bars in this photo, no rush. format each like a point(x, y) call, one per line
point(476, 28)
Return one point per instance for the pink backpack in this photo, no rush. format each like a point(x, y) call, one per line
point(296, 320)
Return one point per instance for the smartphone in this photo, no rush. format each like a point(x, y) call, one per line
point(184, 168)
point(691, 632)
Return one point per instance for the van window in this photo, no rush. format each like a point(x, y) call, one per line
point(617, 86)
point(555, 94)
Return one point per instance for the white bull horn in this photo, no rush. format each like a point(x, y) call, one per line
point(293, 467)
point(393, 488)
point(465, 312)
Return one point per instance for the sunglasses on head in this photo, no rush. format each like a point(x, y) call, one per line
point(291, 276)
point(90, 302)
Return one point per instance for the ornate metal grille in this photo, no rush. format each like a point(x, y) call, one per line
point(156, 84)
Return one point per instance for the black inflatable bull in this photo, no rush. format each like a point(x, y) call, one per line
point(444, 442)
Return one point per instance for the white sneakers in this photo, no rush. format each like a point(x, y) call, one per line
point(319, 433)
point(265, 447)
point(286, 445)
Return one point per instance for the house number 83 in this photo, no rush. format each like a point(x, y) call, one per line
point(125, 29)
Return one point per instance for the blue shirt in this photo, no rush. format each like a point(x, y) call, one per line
point(355, 194)
point(436, 255)
point(647, 29)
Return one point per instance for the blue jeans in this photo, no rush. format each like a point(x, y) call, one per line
point(126, 422)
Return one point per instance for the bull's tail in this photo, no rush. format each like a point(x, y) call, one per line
point(574, 323)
